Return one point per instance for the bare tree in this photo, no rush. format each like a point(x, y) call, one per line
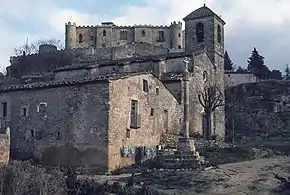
point(31, 48)
point(3, 71)
point(210, 96)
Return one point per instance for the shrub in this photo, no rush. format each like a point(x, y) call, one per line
point(22, 178)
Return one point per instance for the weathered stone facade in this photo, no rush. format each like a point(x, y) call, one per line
point(5, 147)
point(73, 107)
point(85, 123)
point(110, 35)
point(237, 78)
point(160, 113)
point(56, 124)
point(45, 62)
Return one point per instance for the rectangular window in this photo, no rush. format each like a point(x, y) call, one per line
point(23, 111)
point(4, 109)
point(123, 35)
point(92, 38)
point(32, 133)
point(145, 85)
point(161, 37)
point(58, 136)
point(157, 91)
point(152, 112)
point(135, 117)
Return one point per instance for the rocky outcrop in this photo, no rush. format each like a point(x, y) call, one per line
point(258, 111)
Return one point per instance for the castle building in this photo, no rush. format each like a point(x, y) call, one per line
point(107, 99)
point(109, 35)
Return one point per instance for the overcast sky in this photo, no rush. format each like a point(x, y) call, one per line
point(264, 24)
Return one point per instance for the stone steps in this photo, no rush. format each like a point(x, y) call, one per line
point(180, 160)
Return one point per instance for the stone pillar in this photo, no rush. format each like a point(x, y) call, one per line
point(186, 100)
point(186, 144)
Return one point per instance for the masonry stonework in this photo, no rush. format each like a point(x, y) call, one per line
point(236, 78)
point(4, 148)
point(110, 35)
point(74, 106)
point(160, 113)
point(39, 64)
point(61, 125)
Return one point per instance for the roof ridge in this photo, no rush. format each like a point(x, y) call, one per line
point(201, 12)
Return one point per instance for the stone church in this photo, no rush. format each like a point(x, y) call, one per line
point(113, 90)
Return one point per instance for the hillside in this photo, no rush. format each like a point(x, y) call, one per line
point(259, 114)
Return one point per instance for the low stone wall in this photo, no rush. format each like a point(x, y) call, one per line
point(4, 148)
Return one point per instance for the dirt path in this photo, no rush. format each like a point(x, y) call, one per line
point(250, 177)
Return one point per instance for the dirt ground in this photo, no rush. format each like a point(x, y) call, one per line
point(250, 177)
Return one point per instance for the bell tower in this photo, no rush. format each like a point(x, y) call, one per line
point(204, 30)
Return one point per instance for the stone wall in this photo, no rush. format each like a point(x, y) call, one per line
point(170, 72)
point(201, 64)
point(204, 70)
point(168, 68)
point(169, 64)
point(234, 78)
point(109, 35)
point(137, 49)
point(46, 62)
point(160, 112)
point(60, 125)
point(4, 148)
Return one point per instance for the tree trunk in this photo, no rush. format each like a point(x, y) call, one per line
point(233, 129)
point(208, 135)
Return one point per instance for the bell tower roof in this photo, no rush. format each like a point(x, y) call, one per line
point(202, 12)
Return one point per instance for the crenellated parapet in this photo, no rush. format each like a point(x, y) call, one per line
point(124, 26)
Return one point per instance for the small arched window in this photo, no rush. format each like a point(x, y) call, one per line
point(143, 33)
point(104, 33)
point(179, 35)
point(199, 32)
point(80, 38)
point(219, 34)
point(179, 46)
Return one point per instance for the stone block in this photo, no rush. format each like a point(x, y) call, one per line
point(186, 144)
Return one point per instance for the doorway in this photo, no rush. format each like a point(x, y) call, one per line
point(139, 155)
